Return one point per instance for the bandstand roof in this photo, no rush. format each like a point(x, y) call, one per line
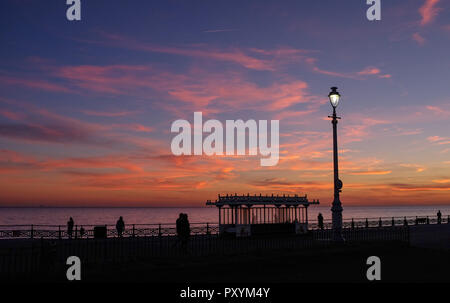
point(247, 200)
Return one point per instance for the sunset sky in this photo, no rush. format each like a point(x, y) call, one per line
point(86, 106)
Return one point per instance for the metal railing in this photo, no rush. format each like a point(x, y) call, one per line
point(37, 231)
point(354, 223)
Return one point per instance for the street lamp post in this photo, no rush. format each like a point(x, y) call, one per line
point(336, 209)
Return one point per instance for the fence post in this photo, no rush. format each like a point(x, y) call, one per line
point(393, 221)
point(59, 232)
point(133, 231)
point(353, 224)
point(405, 222)
point(367, 223)
point(32, 232)
point(428, 220)
point(76, 231)
point(380, 223)
point(159, 230)
point(417, 221)
point(207, 228)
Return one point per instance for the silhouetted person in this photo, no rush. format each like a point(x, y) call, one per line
point(81, 232)
point(120, 226)
point(320, 221)
point(439, 217)
point(178, 225)
point(183, 230)
point(186, 231)
point(70, 224)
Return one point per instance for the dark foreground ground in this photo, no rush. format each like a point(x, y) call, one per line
point(399, 263)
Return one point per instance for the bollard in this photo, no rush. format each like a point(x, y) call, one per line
point(59, 232)
point(428, 220)
point(405, 222)
point(393, 221)
point(159, 230)
point(353, 224)
point(133, 231)
point(367, 223)
point(207, 228)
point(32, 232)
point(380, 223)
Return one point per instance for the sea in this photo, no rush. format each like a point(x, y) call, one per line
point(151, 215)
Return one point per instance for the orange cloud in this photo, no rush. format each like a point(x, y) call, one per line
point(374, 172)
point(424, 187)
point(418, 168)
point(442, 181)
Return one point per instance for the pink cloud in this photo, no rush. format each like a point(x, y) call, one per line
point(428, 11)
point(107, 114)
point(43, 126)
point(35, 84)
point(386, 76)
point(235, 55)
point(439, 140)
point(134, 127)
point(12, 115)
point(418, 38)
point(370, 71)
point(250, 58)
point(196, 88)
point(438, 110)
point(312, 63)
point(374, 71)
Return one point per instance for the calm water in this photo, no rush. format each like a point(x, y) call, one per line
point(59, 216)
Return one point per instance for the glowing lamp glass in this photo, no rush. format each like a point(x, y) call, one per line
point(334, 96)
point(334, 99)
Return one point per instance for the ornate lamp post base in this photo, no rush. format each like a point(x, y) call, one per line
point(336, 211)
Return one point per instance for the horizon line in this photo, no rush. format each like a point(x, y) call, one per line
point(191, 206)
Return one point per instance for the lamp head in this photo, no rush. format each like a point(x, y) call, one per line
point(334, 97)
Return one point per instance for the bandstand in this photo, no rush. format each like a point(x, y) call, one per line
point(252, 215)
